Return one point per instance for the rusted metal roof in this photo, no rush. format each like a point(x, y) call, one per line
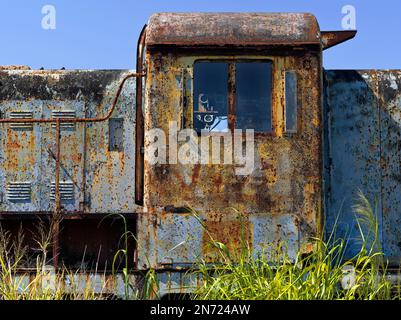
point(333, 38)
point(232, 29)
point(14, 68)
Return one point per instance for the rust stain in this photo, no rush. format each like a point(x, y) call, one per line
point(234, 234)
point(195, 175)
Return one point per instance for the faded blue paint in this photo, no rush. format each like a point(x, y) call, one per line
point(362, 144)
point(390, 138)
point(273, 229)
point(103, 180)
point(179, 239)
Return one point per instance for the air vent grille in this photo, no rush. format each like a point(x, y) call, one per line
point(19, 191)
point(21, 115)
point(64, 114)
point(66, 189)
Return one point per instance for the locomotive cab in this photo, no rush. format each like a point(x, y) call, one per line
point(231, 127)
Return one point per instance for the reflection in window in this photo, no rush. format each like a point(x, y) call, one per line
point(210, 96)
point(254, 90)
point(291, 102)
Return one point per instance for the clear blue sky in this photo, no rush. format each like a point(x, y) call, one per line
point(102, 34)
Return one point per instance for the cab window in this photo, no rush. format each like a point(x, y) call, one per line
point(249, 84)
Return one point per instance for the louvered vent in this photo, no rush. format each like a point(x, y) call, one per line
point(21, 115)
point(66, 189)
point(19, 191)
point(64, 114)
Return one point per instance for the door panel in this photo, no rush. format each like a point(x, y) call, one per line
point(363, 126)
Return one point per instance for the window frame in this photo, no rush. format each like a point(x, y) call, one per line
point(290, 132)
point(232, 94)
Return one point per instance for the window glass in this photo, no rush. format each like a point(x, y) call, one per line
point(291, 101)
point(253, 96)
point(211, 96)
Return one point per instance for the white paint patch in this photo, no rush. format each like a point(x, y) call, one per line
point(393, 82)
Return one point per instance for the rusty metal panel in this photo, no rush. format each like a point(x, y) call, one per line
point(389, 86)
point(364, 153)
point(93, 179)
point(179, 239)
point(20, 154)
point(333, 38)
point(71, 160)
point(353, 146)
point(236, 29)
point(110, 177)
point(270, 230)
point(182, 239)
point(280, 198)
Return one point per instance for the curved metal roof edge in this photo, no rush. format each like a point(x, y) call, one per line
point(237, 29)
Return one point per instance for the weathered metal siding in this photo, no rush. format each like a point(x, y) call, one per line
point(279, 200)
point(93, 179)
point(363, 153)
point(390, 139)
point(19, 154)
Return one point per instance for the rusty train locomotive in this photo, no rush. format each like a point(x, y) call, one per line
point(74, 151)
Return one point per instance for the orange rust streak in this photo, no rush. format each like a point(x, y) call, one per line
point(234, 234)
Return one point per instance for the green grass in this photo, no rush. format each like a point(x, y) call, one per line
point(320, 275)
point(272, 275)
point(42, 283)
